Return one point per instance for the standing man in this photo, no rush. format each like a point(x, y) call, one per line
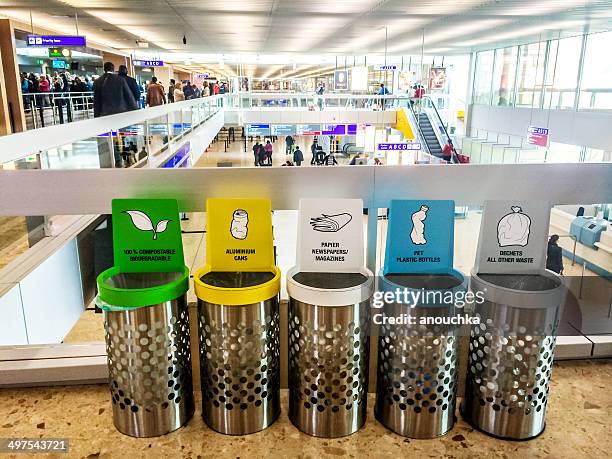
point(155, 93)
point(188, 91)
point(112, 94)
point(132, 83)
point(171, 91)
point(256, 152)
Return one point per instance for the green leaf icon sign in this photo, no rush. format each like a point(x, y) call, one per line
point(144, 223)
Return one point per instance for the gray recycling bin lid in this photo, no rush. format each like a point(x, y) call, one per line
point(330, 267)
point(528, 291)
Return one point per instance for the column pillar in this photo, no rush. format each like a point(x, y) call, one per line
point(118, 60)
point(164, 75)
point(11, 100)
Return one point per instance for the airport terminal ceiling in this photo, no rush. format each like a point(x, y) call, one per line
point(311, 29)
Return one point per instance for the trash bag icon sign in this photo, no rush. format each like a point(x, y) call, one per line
point(513, 228)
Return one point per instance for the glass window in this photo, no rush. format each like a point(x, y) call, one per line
point(503, 76)
point(482, 77)
point(563, 153)
point(596, 86)
point(594, 155)
point(562, 74)
point(530, 74)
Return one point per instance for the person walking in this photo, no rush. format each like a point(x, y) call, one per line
point(206, 90)
point(554, 255)
point(313, 150)
point(112, 94)
point(171, 91)
point(289, 142)
point(268, 148)
point(179, 95)
point(155, 93)
point(131, 82)
point(298, 156)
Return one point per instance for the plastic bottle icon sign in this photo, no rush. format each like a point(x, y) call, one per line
point(143, 222)
point(417, 235)
point(513, 228)
point(239, 227)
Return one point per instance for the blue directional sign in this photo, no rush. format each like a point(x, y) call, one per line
point(385, 67)
point(420, 237)
point(55, 40)
point(151, 63)
point(399, 146)
point(258, 129)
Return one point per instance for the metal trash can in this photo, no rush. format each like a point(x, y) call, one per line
point(147, 344)
point(329, 315)
point(239, 349)
point(418, 363)
point(511, 353)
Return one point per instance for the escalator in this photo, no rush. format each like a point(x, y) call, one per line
point(429, 136)
point(432, 128)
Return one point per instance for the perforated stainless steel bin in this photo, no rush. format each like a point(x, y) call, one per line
point(511, 353)
point(240, 355)
point(148, 351)
point(417, 363)
point(329, 317)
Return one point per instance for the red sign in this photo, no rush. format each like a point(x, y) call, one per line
point(537, 136)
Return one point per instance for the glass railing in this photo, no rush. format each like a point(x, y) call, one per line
point(122, 140)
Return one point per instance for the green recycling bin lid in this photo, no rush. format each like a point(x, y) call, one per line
point(119, 290)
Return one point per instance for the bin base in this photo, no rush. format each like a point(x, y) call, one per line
point(490, 434)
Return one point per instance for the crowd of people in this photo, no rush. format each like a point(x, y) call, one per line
point(58, 82)
point(111, 90)
point(262, 154)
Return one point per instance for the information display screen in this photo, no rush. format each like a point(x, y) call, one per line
point(283, 129)
point(308, 129)
point(333, 129)
point(258, 129)
point(58, 64)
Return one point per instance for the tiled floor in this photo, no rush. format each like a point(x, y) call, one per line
point(13, 238)
point(578, 426)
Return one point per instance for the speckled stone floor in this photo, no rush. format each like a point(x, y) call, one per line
point(578, 426)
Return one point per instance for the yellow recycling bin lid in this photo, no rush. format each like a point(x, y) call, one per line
point(240, 265)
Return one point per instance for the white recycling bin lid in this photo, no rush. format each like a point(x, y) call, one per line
point(330, 269)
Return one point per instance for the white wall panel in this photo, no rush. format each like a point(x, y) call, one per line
point(12, 324)
point(52, 296)
point(280, 116)
point(586, 128)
